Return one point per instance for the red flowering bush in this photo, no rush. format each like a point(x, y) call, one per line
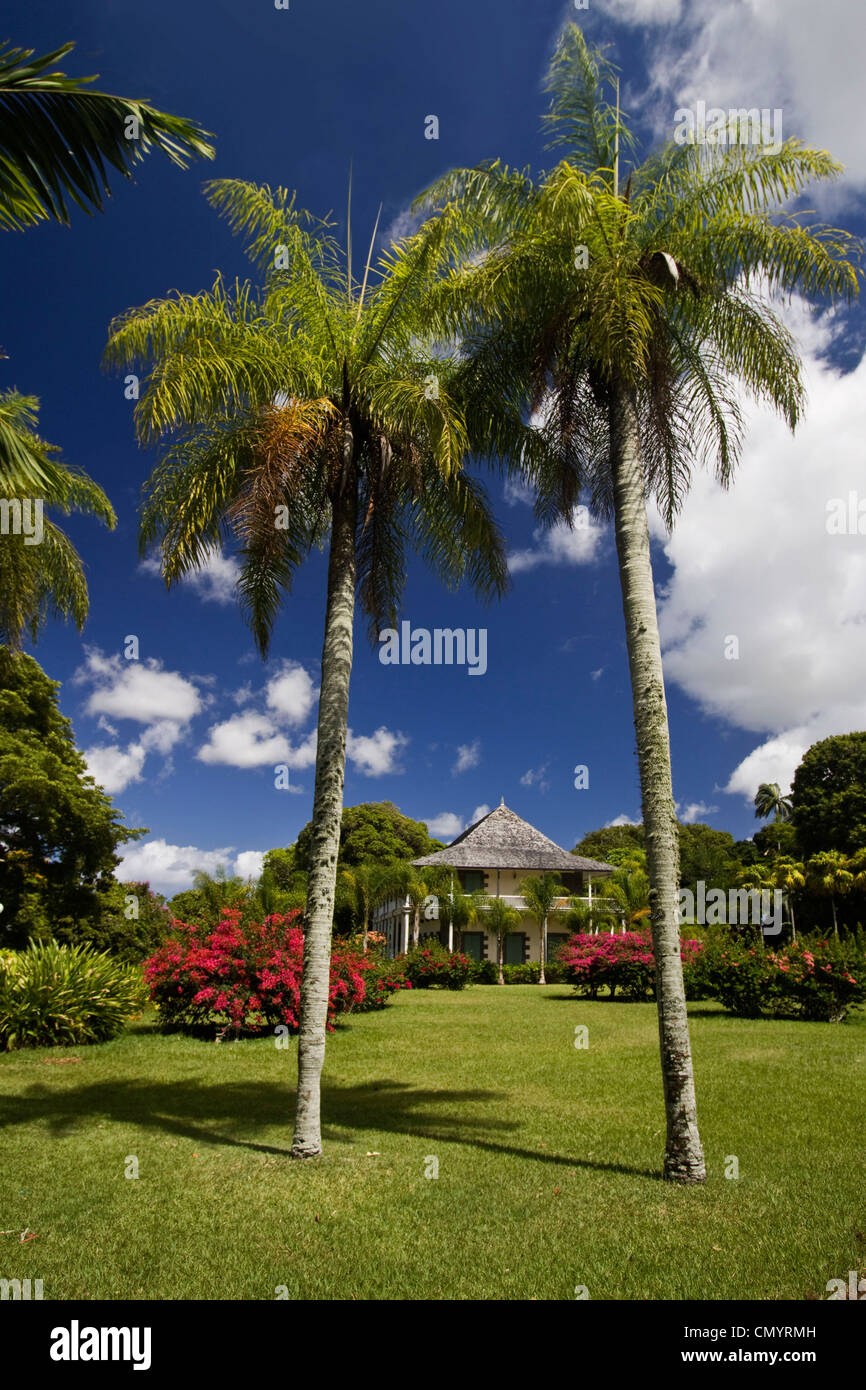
point(812, 979)
point(246, 976)
point(433, 965)
point(622, 962)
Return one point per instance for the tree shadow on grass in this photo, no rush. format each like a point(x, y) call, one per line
point(223, 1114)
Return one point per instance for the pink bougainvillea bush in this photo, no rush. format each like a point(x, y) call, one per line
point(812, 978)
point(623, 961)
point(245, 977)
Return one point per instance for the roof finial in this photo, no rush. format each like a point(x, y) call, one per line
point(502, 801)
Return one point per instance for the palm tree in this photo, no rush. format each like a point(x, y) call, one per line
point(629, 888)
point(540, 895)
point(367, 886)
point(625, 312)
point(417, 889)
point(502, 919)
point(57, 134)
point(41, 573)
point(219, 890)
point(769, 801)
point(830, 873)
point(789, 875)
point(309, 413)
point(460, 911)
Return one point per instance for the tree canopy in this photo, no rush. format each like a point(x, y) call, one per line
point(374, 831)
point(829, 796)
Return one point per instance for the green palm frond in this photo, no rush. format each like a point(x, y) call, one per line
point(59, 137)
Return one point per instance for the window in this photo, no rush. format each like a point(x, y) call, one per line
point(472, 941)
point(472, 880)
point(555, 939)
point(515, 950)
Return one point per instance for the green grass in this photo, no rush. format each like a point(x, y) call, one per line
point(548, 1159)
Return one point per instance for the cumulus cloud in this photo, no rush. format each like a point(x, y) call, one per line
point(168, 868)
point(763, 620)
point(144, 693)
point(468, 756)
point(376, 754)
point(762, 53)
point(621, 819)
point(249, 863)
point(251, 739)
point(479, 813)
point(291, 693)
point(214, 582)
point(694, 810)
point(445, 826)
point(560, 545)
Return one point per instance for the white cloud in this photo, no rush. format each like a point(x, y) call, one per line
point(515, 491)
point(168, 868)
point(622, 819)
point(560, 545)
point(113, 767)
point(468, 756)
point(215, 581)
point(137, 690)
point(376, 754)
point(536, 776)
point(479, 813)
point(445, 826)
point(695, 810)
point(757, 564)
point(249, 863)
point(764, 53)
point(250, 739)
point(291, 694)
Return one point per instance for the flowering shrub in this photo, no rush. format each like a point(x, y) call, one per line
point(623, 961)
point(247, 976)
point(432, 965)
point(812, 979)
point(382, 978)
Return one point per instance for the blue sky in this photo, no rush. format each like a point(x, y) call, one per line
point(187, 737)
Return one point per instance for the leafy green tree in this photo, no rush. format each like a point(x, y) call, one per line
point(540, 895)
point(770, 801)
point(312, 412)
point(59, 832)
point(629, 889)
point(626, 312)
point(601, 844)
point(829, 796)
point(374, 832)
point(45, 578)
point(57, 135)
point(368, 885)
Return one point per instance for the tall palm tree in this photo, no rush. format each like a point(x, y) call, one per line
point(789, 875)
point(57, 135)
point(41, 574)
point(502, 919)
point(367, 886)
point(830, 873)
point(626, 312)
point(769, 801)
point(540, 895)
point(307, 413)
point(629, 888)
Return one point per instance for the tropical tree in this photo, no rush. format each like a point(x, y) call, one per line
point(57, 135)
point(789, 875)
point(629, 889)
point(459, 910)
point(41, 572)
point(367, 886)
point(502, 919)
point(628, 312)
point(308, 413)
point(219, 890)
point(540, 895)
point(829, 873)
point(769, 801)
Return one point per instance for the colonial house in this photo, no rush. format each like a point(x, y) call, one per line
point(493, 857)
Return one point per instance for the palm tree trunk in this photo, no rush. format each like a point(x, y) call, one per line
point(416, 926)
point(541, 979)
point(684, 1157)
point(501, 960)
point(833, 906)
point(327, 810)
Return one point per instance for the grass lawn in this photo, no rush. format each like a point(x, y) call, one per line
point(548, 1159)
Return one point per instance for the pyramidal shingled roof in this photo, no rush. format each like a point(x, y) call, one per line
point(503, 840)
